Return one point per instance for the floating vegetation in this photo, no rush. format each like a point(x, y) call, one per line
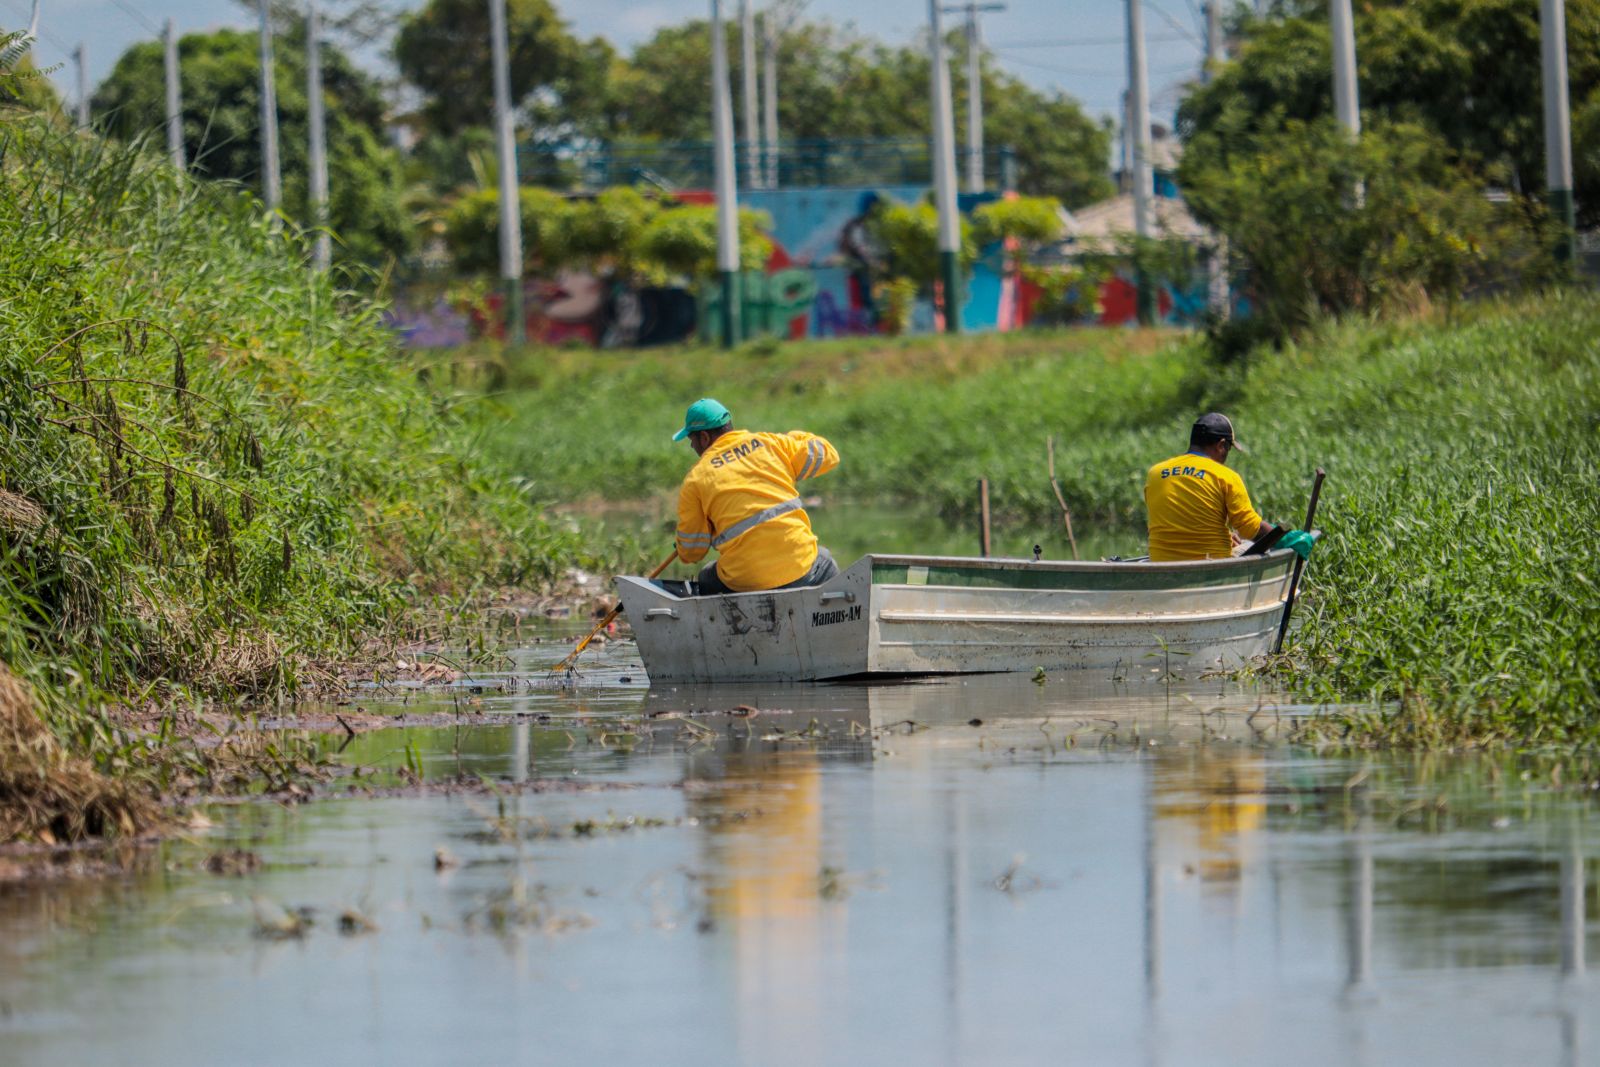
point(519, 908)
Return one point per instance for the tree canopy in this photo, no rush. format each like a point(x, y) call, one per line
point(443, 50)
point(220, 84)
point(833, 84)
point(1468, 70)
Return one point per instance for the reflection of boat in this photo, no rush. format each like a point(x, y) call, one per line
point(951, 615)
point(1080, 705)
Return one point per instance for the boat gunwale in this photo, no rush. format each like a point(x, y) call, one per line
point(899, 615)
point(1188, 566)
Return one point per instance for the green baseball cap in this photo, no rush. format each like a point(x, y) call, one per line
point(704, 414)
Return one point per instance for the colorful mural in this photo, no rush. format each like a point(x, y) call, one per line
point(818, 282)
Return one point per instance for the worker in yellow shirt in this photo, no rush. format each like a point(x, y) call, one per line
point(1197, 507)
point(740, 499)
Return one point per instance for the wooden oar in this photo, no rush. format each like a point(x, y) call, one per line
point(566, 664)
point(1299, 564)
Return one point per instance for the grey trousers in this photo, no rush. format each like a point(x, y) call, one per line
point(822, 569)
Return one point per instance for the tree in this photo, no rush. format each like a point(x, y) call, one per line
point(220, 81)
point(443, 50)
point(834, 84)
point(22, 84)
point(1327, 225)
point(1469, 70)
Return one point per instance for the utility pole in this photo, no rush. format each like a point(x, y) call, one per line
point(506, 154)
point(80, 56)
point(1346, 99)
point(169, 40)
point(769, 74)
point(1139, 119)
point(727, 193)
point(1558, 125)
point(322, 244)
point(752, 134)
point(1217, 261)
point(271, 182)
point(944, 172)
point(1214, 50)
point(974, 90)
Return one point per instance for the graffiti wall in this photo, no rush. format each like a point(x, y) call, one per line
point(820, 281)
point(823, 234)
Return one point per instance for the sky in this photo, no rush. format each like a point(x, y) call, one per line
point(1072, 45)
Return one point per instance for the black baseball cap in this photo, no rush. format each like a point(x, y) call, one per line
point(1215, 426)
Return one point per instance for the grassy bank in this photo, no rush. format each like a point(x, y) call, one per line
point(1461, 502)
point(213, 471)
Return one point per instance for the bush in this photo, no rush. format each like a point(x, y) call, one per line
point(1328, 225)
point(683, 241)
point(472, 228)
point(909, 236)
point(1030, 220)
point(215, 469)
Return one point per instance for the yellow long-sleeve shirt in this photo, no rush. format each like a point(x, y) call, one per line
point(1192, 501)
point(741, 499)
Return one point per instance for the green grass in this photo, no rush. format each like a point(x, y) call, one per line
point(1461, 505)
point(215, 470)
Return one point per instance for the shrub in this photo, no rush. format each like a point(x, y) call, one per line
point(1327, 225)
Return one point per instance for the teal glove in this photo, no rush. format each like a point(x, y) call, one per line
point(1299, 541)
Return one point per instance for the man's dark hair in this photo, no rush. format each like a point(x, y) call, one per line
point(1199, 438)
point(715, 432)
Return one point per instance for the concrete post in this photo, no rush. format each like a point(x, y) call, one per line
point(1139, 119)
point(944, 172)
point(169, 42)
point(726, 190)
point(1346, 97)
point(80, 56)
point(271, 180)
point(1558, 125)
point(506, 152)
point(322, 244)
point(747, 57)
point(769, 74)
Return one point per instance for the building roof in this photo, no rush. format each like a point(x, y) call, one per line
point(1114, 217)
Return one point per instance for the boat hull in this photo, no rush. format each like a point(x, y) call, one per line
point(904, 615)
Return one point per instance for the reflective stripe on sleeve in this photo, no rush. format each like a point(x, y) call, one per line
point(694, 540)
point(814, 456)
point(746, 525)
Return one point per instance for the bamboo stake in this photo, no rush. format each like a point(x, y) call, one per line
point(1066, 513)
point(983, 516)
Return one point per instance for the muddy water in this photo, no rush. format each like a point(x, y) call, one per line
point(985, 871)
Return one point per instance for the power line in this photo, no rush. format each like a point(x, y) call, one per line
point(56, 42)
point(1175, 24)
point(1100, 72)
point(1089, 42)
point(138, 16)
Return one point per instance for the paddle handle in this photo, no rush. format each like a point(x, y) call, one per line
point(611, 615)
point(1299, 564)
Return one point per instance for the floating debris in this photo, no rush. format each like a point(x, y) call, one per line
point(232, 862)
point(277, 923)
point(353, 923)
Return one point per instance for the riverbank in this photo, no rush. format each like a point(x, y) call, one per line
point(218, 480)
point(1454, 594)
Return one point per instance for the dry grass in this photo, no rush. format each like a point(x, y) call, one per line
point(50, 797)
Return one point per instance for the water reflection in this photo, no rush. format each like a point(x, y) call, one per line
point(975, 871)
